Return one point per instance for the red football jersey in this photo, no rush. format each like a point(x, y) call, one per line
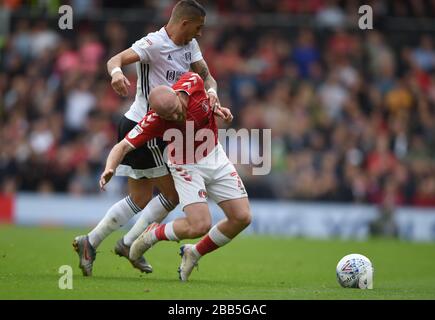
point(198, 133)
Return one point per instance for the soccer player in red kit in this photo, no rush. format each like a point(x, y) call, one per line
point(201, 171)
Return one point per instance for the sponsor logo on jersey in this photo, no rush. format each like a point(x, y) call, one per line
point(178, 74)
point(173, 75)
point(202, 194)
point(188, 56)
point(135, 132)
point(170, 75)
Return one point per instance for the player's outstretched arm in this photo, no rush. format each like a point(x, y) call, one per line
point(120, 82)
point(115, 157)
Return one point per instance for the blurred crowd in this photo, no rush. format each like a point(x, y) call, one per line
point(352, 114)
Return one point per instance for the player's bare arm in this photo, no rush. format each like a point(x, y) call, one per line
point(120, 82)
point(115, 157)
point(210, 84)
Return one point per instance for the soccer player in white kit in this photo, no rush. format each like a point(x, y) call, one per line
point(161, 58)
point(207, 174)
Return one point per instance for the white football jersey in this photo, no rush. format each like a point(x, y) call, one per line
point(162, 62)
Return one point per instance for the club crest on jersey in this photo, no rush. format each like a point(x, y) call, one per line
point(135, 132)
point(202, 194)
point(188, 56)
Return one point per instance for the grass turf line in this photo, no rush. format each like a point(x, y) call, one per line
point(250, 267)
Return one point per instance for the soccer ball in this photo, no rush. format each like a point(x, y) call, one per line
point(355, 271)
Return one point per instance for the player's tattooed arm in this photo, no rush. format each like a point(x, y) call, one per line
point(210, 84)
point(201, 68)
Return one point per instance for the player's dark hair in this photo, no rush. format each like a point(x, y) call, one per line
point(188, 9)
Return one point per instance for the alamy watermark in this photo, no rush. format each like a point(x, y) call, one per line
point(66, 280)
point(248, 151)
point(243, 146)
point(366, 20)
point(66, 20)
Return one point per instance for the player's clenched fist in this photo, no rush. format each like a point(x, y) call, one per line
point(105, 178)
point(120, 83)
point(224, 113)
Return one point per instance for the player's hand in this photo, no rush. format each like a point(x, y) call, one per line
point(120, 83)
point(105, 178)
point(214, 99)
point(224, 113)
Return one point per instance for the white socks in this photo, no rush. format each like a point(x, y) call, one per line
point(170, 233)
point(212, 241)
point(155, 211)
point(218, 237)
point(164, 232)
point(118, 215)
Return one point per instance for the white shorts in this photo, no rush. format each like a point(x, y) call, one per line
point(212, 177)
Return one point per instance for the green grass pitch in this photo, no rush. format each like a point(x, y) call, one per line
point(251, 267)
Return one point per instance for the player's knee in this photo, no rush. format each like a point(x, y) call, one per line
point(200, 228)
point(243, 218)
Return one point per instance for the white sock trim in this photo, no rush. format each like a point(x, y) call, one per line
point(169, 232)
point(218, 237)
point(195, 252)
point(132, 205)
point(153, 212)
point(166, 203)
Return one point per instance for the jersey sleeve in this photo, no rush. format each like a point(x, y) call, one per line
point(150, 127)
point(196, 51)
point(189, 83)
point(146, 47)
